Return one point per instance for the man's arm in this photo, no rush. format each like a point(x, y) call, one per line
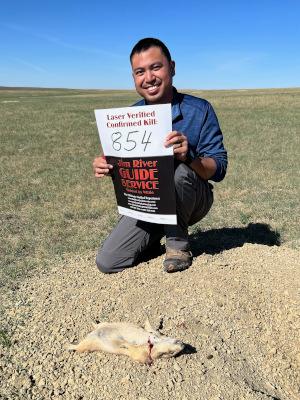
point(204, 167)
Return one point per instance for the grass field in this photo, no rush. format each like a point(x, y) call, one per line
point(52, 207)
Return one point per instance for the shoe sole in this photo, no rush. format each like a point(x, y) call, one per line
point(175, 265)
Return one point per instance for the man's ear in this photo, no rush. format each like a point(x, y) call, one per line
point(172, 67)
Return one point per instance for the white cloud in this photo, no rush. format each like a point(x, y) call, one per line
point(60, 42)
point(29, 65)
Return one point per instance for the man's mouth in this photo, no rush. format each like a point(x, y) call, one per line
point(152, 88)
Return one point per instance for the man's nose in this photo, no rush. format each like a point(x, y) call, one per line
point(149, 76)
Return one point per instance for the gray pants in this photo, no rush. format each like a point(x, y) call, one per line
point(130, 237)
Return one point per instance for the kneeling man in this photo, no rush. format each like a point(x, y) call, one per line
point(199, 156)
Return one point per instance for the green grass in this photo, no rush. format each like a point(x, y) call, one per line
point(52, 207)
point(261, 129)
point(4, 339)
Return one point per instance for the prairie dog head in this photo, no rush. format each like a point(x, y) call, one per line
point(166, 348)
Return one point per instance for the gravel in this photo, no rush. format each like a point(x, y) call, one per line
point(237, 311)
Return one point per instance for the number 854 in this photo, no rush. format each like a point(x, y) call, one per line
point(118, 140)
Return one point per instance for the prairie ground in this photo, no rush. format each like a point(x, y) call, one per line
point(239, 301)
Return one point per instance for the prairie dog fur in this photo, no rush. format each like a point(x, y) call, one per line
point(141, 345)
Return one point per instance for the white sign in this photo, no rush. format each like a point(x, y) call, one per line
point(133, 139)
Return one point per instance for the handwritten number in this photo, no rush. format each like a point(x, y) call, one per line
point(116, 145)
point(116, 138)
point(146, 143)
point(134, 145)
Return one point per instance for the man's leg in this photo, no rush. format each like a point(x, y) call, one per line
point(194, 198)
point(127, 240)
point(130, 236)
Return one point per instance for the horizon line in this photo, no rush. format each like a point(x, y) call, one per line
point(201, 89)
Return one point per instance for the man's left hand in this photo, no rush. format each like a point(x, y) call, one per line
point(179, 143)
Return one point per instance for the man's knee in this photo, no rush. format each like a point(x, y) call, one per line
point(104, 264)
point(185, 182)
point(183, 173)
point(110, 262)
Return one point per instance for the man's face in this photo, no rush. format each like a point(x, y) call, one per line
point(152, 74)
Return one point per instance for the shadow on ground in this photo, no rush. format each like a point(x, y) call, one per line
point(215, 241)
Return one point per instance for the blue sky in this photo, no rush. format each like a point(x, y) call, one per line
point(86, 44)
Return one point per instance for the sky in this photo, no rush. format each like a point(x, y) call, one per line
point(86, 44)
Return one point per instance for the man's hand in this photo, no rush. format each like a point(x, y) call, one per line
point(180, 144)
point(101, 167)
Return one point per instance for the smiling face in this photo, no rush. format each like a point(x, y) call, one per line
point(152, 74)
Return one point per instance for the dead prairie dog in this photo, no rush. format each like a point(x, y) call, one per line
point(141, 345)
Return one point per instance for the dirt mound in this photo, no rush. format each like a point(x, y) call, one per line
point(237, 312)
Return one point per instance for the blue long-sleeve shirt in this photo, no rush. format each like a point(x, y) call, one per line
point(196, 119)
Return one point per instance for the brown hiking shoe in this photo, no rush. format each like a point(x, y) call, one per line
point(177, 260)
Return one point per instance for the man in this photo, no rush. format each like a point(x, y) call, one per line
point(199, 155)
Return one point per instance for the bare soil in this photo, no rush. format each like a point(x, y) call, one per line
point(236, 310)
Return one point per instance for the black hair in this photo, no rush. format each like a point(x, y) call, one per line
point(145, 44)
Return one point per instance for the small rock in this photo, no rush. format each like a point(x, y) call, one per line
point(170, 382)
point(177, 367)
point(41, 383)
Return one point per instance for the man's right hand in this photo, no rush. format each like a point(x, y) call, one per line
point(101, 167)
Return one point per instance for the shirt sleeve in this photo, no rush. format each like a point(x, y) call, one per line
point(211, 143)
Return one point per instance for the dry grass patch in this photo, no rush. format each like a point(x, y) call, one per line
point(52, 205)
